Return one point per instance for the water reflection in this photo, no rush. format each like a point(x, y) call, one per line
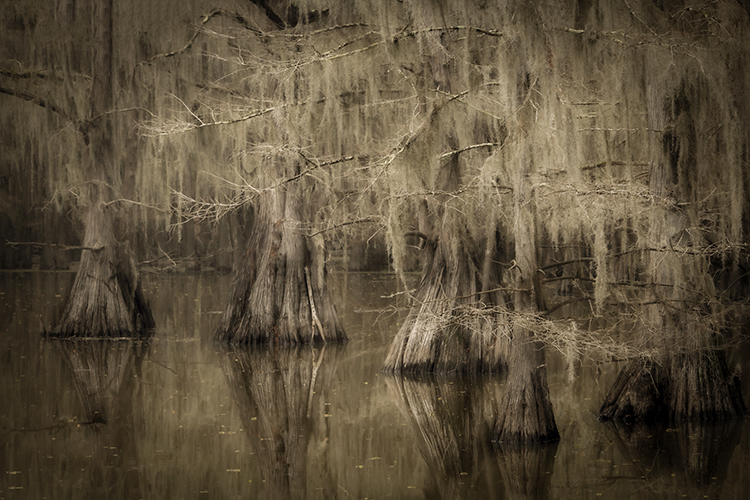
point(451, 419)
point(281, 395)
point(91, 452)
point(179, 418)
point(100, 368)
point(527, 470)
point(677, 462)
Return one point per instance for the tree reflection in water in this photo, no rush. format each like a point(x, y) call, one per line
point(100, 368)
point(281, 394)
point(527, 469)
point(105, 375)
point(452, 420)
point(688, 460)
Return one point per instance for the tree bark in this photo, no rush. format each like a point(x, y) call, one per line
point(455, 325)
point(106, 299)
point(526, 414)
point(269, 300)
point(689, 378)
point(458, 322)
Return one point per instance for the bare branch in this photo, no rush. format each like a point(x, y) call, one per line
point(216, 12)
point(343, 224)
point(53, 245)
point(133, 202)
point(40, 74)
point(34, 99)
point(468, 148)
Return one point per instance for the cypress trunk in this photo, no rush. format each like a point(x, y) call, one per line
point(454, 326)
point(688, 379)
point(458, 321)
point(526, 414)
point(106, 299)
point(279, 294)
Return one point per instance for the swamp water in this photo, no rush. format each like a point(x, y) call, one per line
point(180, 417)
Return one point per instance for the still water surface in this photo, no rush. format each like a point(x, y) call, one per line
point(180, 417)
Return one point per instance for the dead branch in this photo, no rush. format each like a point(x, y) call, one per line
point(206, 18)
point(566, 262)
point(468, 148)
point(180, 127)
point(40, 74)
point(343, 224)
point(133, 202)
point(34, 99)
point(53, 245)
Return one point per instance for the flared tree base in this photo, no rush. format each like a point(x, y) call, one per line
point(696, 386)
point(525, 414)
point(106, 300)
point(280, 295)
point(454, 327)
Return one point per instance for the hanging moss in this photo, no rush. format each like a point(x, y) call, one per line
point(625, 120)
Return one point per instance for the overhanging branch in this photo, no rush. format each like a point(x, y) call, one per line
point(34, 99)
point(53, 245)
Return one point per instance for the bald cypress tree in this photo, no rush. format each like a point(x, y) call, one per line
point(106, 299)
point(516, 146)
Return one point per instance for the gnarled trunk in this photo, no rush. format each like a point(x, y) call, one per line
point(279, 294)
point(688, 379)
point(455, 325)
point(526, 414)
point(106, 299)
point(688, 386)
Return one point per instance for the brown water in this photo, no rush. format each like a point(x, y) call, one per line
point(179, 417)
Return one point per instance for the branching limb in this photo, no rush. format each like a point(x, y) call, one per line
point(34, 99)
point(344, 224)
point(204, 20)
point(53, 245)
point(133, 202)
